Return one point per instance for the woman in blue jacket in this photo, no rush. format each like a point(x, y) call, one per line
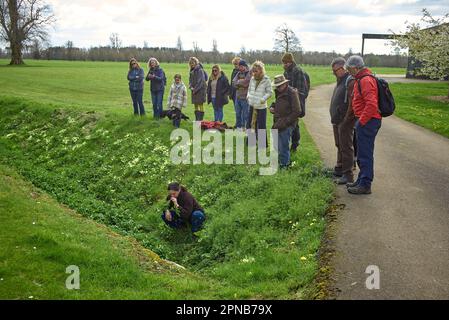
point(136, 76)
point(158, 81)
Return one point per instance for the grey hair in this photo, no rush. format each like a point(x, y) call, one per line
point(355, 62)
point(338, 61)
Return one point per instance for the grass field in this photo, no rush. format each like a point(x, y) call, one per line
point(414, 105)
point(67, 128)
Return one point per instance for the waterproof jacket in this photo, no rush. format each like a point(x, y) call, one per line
point(159, 80)
point(259, 93)
point(222, 91)
point(241, 84)
point(287, 109)
point(365, 101)
point(341, 99)
point(198, 85)
point(187, 204)
point(135, 78)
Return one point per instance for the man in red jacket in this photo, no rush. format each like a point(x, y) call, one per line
point(365, 105)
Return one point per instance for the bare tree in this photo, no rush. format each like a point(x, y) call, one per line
point(214, 46)
point(286, 40)
point(179, 44)
point(115, 42)
point(69, 46)
point(196, 48)
point(22, 22)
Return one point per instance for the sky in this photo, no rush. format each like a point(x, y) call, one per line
point(320, 25)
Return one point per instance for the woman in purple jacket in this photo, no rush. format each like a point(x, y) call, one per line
point(158, 81)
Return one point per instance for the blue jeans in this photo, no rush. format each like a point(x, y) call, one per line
point(241, 113)
point(218, 111)
point(284, 137)
point(137, 97)
point(366, 135)
point(196, 220)
point(157, 97)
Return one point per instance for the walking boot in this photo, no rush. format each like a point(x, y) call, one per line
point(359, 190)
point(344, 180)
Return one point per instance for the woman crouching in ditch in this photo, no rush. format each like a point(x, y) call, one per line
point(189, 210)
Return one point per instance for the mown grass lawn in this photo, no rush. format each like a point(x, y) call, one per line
point(413, 103)
point(67, 127)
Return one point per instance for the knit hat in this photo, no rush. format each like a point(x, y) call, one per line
point(243, 63)
point(288, 58)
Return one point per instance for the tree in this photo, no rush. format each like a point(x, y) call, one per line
point(214, 46)
point(22, 22)
point(286, 40)
point(69, 46)
point(115, 42)
point(430, 46)
point(179, 44)
point(196, 48)
point(145, 45)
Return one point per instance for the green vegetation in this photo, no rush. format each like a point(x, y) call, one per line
point(40, 239)
point(81, 144)
point(414, 104)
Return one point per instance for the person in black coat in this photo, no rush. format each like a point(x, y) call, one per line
point(218, 91)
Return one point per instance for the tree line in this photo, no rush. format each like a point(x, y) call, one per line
point(174, 55)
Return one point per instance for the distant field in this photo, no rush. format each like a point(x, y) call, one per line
point(103, 85)
point(414, 104)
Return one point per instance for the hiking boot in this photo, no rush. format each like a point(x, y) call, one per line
point(344, 180)
point(359, 190)
point(337, 172)
point(353, 184)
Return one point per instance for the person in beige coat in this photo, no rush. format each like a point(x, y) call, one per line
point(259, 92)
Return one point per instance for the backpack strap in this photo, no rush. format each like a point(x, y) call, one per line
point(359, 83)
point(348, 79)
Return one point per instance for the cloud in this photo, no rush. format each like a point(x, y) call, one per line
point(320, 25)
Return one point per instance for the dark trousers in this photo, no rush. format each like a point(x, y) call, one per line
point(137, 97)
point(196, 220)
point(366, 136)
point(344, 141)
point(157, 98)
point(296, 137)
point(260, 117)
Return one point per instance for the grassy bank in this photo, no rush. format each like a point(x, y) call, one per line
point(40, 239)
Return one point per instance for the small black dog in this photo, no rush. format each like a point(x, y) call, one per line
point(174, 114)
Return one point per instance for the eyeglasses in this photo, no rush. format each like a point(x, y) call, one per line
point(214, 70)
point(336, 70)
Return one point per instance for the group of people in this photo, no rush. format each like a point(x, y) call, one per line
point(356, 120)
point(354, 112)
point(249, 88)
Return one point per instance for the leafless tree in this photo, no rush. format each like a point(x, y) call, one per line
point(286, 40)
point(179, 44)
point(22, 22)
point(115, 42)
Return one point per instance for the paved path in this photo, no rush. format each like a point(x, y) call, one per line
point(403, 227)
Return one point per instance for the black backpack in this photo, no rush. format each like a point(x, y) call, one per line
point(307, 83)
point(386, 99)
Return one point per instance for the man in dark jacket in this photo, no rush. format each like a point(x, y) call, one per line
point(286, 111)
point(343, 120)
point(296, 78)
point(189, 210)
